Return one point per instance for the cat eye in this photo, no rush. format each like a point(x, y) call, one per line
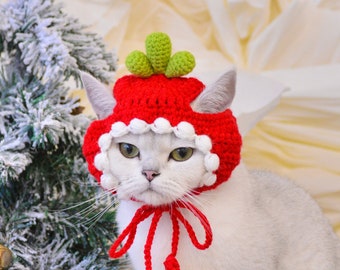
point(182, 153)
point(128, 150)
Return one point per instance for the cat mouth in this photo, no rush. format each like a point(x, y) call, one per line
point(152, 190)
point(154, 197)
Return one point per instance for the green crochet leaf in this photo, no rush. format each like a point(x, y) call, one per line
point(181, 63)
point(138, 63)
point(158, 51)
point(158, 60)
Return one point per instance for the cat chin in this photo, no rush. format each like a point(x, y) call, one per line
point(154, 198)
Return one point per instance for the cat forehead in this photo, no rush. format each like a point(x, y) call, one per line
point(153, 140)
point(137, 128)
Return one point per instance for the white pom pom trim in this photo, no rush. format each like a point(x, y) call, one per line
point(104, 142)
point(108, 181)
point(211, 162)
point(119, 129)
point(203, 143)
point(161, 126)
point(101, 161)
point(138, 126)
point(209, 179)
point(184, 130)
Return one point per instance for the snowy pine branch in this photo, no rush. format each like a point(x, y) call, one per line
point(42, 170)
point(41, 48)
point(50, 42)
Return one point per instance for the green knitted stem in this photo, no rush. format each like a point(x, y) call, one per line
point(158, 51)
point(158, 60)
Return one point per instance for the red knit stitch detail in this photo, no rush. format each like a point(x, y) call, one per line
point(158, 96)
point(146, 211)
point(175, 235)
point(149, 240)
point(204, 221)
point(130, 231)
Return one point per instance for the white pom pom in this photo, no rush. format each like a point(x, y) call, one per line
point(209, 179)
point(138, 126)
point(185, 130)
point(203, 143)
point(108, 181)
point(118, 129)
point(161, 126)
point(211, 162)
point(104, 142)
point(101, 162)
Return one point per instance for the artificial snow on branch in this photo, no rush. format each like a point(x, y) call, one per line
point(52, 215)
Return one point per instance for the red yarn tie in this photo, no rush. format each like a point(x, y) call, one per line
point(176, 216)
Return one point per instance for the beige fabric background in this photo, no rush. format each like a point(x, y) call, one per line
point(275, 45)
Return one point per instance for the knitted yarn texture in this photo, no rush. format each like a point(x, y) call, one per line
point(170, 98)
point(176, 216)
point(157, 99)
point(158, 60)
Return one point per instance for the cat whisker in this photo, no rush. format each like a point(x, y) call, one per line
point(130, 190)
point(93, 220)
point(170, 191)
point(102, 201)
point(110, 191)
point(193, 198)
point(194, 211)
point(84, 212)
point(90, 222)
point(201, 198)
point(104, 194)
point(75, 205)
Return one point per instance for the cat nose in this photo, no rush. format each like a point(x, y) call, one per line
point(150, 174)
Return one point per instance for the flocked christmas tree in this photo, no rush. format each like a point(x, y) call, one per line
point(49, 203)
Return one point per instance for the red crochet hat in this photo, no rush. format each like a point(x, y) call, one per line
point(157, 95)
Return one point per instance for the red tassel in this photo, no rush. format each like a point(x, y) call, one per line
point(171, 263)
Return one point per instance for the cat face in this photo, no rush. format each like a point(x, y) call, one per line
point(154, 168)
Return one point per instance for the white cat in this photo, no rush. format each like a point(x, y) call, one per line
point(258, 220)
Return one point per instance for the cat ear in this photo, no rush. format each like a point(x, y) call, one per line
point(99, 96)
point(218, 96)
